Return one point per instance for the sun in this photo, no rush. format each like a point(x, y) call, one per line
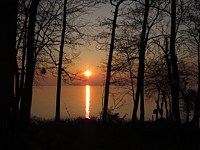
point(88, 73)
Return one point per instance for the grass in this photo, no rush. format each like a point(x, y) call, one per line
point(89, 134)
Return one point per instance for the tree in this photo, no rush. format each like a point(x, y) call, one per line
point(183, 51)
point(25, 105)
point(140, 76)
point(157, 80)
point(8, 27)
point(47, 34)
point(175, 72)
point(57, 118)
point(109, 65)
point(79, 7)
point(193, 25)
point(127, 50)
point(156, 83)
point(124, 60)
point(189, 99)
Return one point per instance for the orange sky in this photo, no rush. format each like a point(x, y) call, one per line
point(90, 57)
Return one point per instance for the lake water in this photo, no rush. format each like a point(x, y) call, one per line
point(82, 101)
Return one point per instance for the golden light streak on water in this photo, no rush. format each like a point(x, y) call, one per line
point(87, 102)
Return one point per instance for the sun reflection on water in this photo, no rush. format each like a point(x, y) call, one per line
point(87, 101)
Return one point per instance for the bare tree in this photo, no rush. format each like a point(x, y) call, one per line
point(156, 83)
point(192, 22)
point(175, 72)
point(25, 105)
point(57, 118)
point(109, 65)
point(8, 13)
point(140, 76)
point(23, 10)
point(47, 33)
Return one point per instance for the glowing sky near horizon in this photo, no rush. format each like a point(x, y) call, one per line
point(91, 58)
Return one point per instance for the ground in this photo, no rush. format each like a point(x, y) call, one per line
point(88, 134)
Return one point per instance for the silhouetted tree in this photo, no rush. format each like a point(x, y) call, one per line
point(140, 76)
point(70, 40)
point(47, 33)
point(127, 50)
point(156, 82)
point(25, 105)
point(175, 72)
point(57, 118)
point(193, 25)
point(189, 100)
point(20, 71)
point(124, 61)
point(8, 27)
point(109, 65)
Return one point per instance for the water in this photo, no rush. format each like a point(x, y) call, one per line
point(82, 101)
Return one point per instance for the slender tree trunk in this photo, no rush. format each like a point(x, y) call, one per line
point(140, 77)
point(165, 103)
point(15, 102)
point(157, 104)
point(132, 81)
point(26, 101)
point(23, 37)
point(8, 27)
point(169, 72)
point(131, 74)
point(161, 108)
point(57, 117)
point(187, 110)
point(175, 72)
point(195, 119)
point(109, 65)
point(21, 86)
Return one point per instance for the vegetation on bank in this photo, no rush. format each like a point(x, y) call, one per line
point(90, 134)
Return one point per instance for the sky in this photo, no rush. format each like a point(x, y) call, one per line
point(90, 57)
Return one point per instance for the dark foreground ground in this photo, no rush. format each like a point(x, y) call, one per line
point(84, 134)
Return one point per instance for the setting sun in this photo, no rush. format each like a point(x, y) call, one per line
point(87, 73)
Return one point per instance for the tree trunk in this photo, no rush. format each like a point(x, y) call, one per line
point(26, 101)
point(21, 86)
point(175, 72)
point(195, 119)
point(140, 76)
point(131, 79)
point(187, 110)
point(24, 48)
point(109, 65)
point(8, 27)
point(157, 104)
point(57, 117)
